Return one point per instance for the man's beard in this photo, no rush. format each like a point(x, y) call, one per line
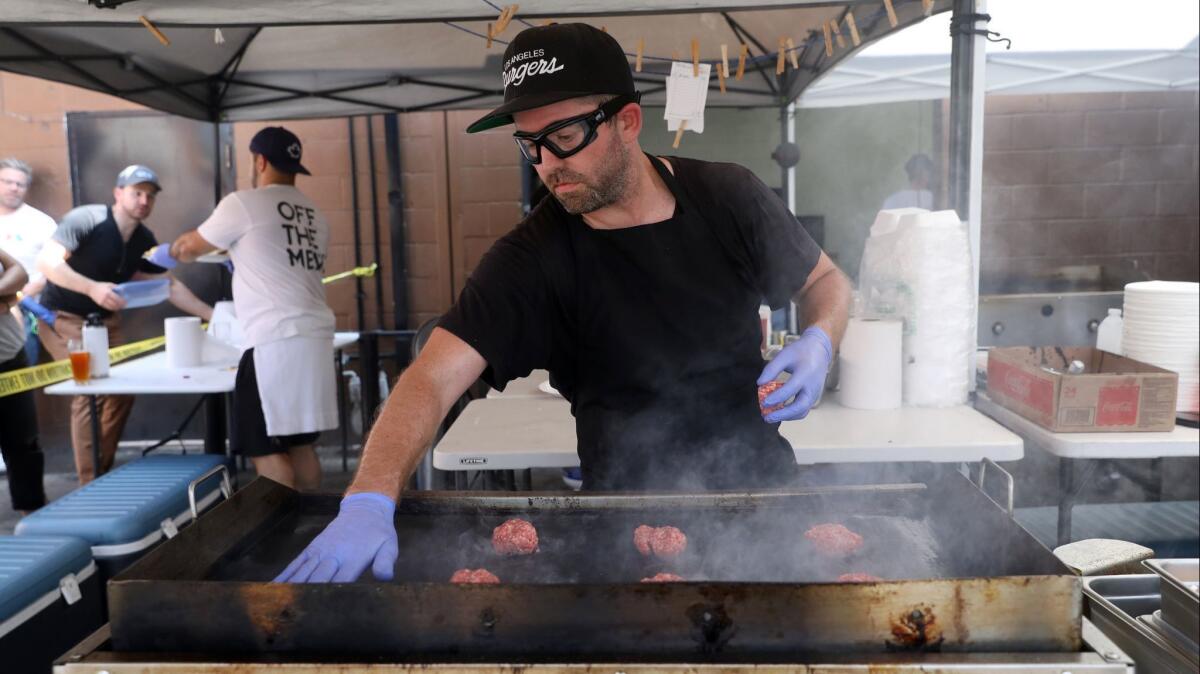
point(609, 187)
point(13, 204)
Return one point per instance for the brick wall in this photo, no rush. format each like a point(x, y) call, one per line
point(1091, 179)
point(33, 127)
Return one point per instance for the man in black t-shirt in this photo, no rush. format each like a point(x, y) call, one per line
point(637, 287)
point(95, 248)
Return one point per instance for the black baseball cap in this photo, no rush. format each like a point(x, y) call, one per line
point(281, 148)
point(548, 64)
point(137, 173)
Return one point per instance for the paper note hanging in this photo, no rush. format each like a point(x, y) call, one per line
point(686, 96)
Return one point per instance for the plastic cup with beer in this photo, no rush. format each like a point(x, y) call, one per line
point(80, 361)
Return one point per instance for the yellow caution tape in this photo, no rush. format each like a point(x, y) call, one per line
point(357, 271)
point(29, 378)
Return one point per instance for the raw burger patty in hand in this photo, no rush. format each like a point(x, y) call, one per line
point(834, 539)
point(474, 576)
point(766, 390)
point(515, 537)
point(662, 542)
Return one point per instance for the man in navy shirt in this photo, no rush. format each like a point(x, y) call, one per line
point(95, 248)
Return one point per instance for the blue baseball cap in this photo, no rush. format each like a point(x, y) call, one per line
point(280, 147)
point(137, 173)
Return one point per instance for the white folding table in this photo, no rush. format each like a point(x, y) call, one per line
point(1081, 448)
point(150, 375)
point(526, 431)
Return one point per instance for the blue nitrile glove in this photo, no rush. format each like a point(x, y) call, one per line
point(34, 307)
point(807, 360)
point(363, 534)
point(161, 255)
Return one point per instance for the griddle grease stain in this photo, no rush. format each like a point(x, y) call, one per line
point(712, 627)
point(916, 631)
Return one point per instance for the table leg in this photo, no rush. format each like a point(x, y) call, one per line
point(214, 424)
point(341, 400)
point(93, 408)
point(1155, 488)
point(1066, 499)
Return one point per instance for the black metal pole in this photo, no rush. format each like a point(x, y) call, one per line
point(395, 195)
point(962, 58)
point(378, 246)
point(368, 352)
point(92, 408)
point(358, 285)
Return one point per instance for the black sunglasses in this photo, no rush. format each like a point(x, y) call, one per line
point(569, 136)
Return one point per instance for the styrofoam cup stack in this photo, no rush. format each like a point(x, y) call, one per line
point(1162, 327)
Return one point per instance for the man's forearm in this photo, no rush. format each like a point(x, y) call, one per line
point(63, 276)
point(825, 303)
point(12, 280)
point(401, 435)
point(185, 300)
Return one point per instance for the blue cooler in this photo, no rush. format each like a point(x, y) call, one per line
point(124, 513)
point(49, 599)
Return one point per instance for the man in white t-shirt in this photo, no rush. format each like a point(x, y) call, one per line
point(23, 231)
point(277, 241)
point(919, 169)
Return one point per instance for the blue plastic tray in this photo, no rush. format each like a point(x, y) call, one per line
point(126, 508)
point(31, 566)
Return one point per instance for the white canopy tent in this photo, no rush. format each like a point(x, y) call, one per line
point(1068, 46)
point(234, 60)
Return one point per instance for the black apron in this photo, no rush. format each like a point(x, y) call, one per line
point(661, 375)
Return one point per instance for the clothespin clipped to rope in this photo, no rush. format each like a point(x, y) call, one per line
point(723, 67)
point(853, 28)
point(742, 61)
point(506, 15)
point(549, 22)
point(695, 57)
point(828, 40)
point(489, 36)
point(837, 35)
point(603, 29)
point(792, 55)
point(927, 7)
point(637, 64)
point(679, 133)
point(891, 12)
point(780, 60)
point(155, 31)
point(218, 36)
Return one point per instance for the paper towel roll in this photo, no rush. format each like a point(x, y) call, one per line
point(185, 341)
point(869, 364)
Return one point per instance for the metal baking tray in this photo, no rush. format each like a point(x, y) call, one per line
point(1180, 599)
point(1114, 603)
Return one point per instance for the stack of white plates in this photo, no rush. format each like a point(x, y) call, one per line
point(1162, 327)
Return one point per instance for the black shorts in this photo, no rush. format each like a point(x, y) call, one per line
point(249, 433)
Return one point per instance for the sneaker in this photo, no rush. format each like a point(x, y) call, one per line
point(573, 478)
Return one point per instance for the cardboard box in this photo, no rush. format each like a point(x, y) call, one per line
point(1113, 393)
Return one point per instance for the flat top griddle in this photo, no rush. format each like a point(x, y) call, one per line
point(963, 576)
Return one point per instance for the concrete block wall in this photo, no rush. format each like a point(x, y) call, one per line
point(1092, 179)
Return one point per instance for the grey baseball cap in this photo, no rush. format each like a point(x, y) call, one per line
point(137, 173)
